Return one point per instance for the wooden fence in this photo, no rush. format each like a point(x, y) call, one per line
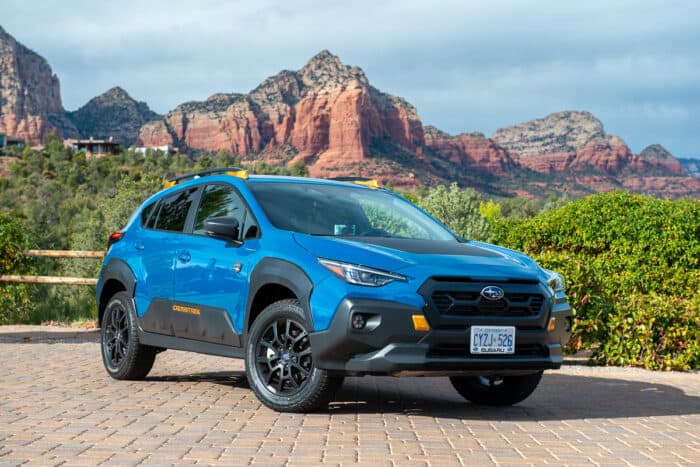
point(56, 279)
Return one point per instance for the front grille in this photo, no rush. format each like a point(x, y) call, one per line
point(471, 303)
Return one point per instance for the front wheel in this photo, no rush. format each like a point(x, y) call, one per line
point(496, 390)
point(279, 361)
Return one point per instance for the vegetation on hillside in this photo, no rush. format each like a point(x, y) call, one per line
point(632, 263)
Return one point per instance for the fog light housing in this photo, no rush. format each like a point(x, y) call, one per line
point(358, 321)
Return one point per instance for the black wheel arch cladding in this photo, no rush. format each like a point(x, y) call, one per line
point(275, 271)
point(117, 271)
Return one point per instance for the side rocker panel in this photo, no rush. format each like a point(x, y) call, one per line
point(189, 321)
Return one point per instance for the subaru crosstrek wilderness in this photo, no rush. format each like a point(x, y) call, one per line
point(313, 280)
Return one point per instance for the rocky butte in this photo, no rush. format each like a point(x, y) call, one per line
point(327, 114)
point(30, 95)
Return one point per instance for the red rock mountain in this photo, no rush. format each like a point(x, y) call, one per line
point(327, 112)
point(577, 140)
point(471, 151)
point(30, 96)
point(329, 116)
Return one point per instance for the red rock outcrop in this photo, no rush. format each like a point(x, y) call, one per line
point(327, 111)
point(471, 151)
point(30, 97)
point(576, 141)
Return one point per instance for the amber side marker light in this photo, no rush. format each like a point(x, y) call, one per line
point(552, 324)
point(420, 323)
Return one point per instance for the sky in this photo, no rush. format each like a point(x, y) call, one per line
point(466, 66)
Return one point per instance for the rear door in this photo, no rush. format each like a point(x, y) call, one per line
point(159, 247)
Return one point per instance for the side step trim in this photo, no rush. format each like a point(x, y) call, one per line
point(190, 345)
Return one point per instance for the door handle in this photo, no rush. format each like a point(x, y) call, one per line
point(139, 246)
point(184, 256)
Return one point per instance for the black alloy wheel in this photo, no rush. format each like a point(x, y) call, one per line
point(283, 356)
point(279, 361)
point(116, 338)
point(124, 357)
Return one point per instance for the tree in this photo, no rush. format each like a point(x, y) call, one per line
point(16, 303)
point(458, 209)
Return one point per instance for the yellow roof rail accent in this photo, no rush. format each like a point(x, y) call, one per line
point(233, 171)
point(242, 173)
point(369, 182)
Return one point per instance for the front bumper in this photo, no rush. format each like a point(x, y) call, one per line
point(389, 344)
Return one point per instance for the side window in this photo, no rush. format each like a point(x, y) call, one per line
point(149, 215)
point(219, 201)
point(174, 210)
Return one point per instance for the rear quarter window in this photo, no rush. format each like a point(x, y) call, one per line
point(149, 214)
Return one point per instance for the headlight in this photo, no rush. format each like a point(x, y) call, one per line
point(555, 280)
point(360, 275)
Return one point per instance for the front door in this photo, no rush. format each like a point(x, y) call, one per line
point(209, 287)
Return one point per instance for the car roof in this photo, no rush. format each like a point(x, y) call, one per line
point(290, 179)
point(219, 177)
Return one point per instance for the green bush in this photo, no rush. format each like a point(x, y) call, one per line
point(653, 331)
point(458, 209)
point(15, 301)
point(623, 256)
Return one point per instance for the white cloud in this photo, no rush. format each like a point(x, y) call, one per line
point(467, 66)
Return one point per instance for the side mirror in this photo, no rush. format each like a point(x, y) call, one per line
point(223, 227)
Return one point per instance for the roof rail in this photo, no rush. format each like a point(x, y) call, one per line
point(235, 171)
point(370, 182)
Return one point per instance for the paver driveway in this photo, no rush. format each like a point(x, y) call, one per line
point(57, 405)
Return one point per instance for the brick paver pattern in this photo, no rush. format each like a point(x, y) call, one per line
point(58, 406)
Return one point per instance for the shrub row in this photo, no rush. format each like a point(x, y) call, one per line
point(632, 265)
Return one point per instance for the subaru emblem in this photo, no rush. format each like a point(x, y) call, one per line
point(492, 293)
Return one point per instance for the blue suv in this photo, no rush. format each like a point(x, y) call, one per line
point(312, 280)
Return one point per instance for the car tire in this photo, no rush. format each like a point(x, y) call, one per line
point(496, 390)
point(124, 357)
point(279, 361)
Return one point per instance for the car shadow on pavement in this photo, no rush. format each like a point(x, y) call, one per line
point(227, 378)
point(559, 397)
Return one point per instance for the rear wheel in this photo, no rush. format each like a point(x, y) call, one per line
point(496, 390)
point(279, 361)
point(124, 357)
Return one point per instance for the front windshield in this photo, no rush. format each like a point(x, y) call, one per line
point(344, 211)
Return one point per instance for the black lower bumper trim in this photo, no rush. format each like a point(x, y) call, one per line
point(392, 346)
point(416, 359)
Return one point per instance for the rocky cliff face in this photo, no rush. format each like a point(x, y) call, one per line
point(471, 151)
point(112, 114)
point(30, 96)
point(564, 140)
point(576, 141)
point(327, 112)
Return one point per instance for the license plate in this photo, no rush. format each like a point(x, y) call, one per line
point(492, 340)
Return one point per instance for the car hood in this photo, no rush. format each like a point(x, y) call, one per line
point(424, 258)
